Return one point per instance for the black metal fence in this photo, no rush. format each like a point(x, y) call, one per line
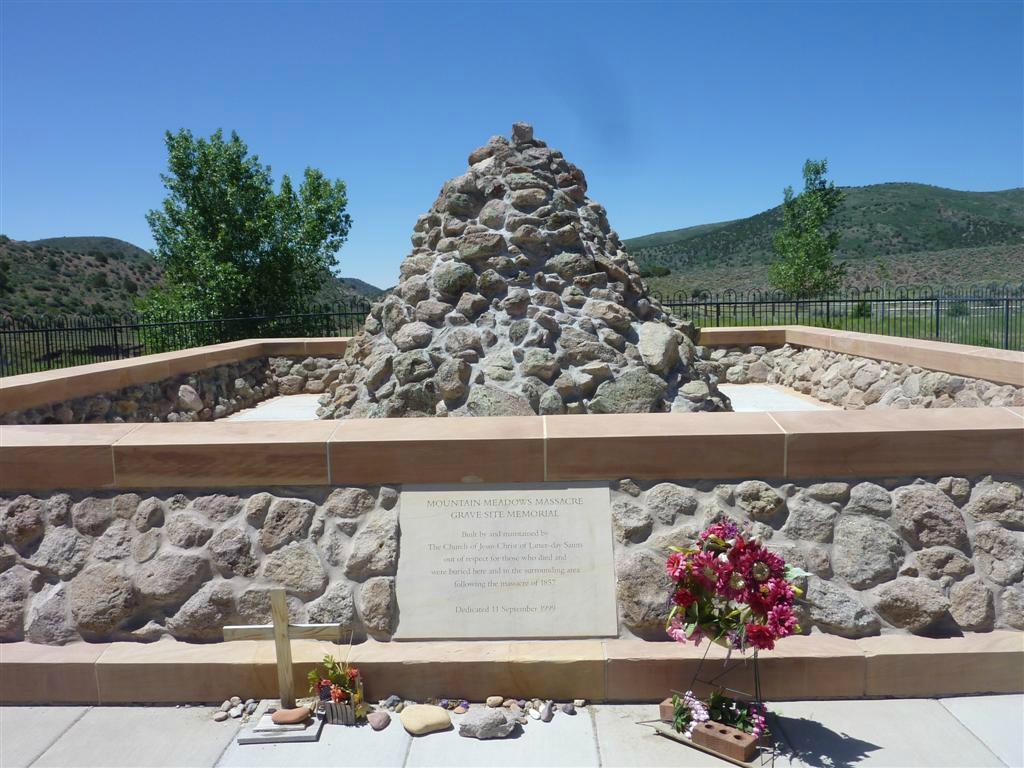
point(41, 343)
point(987, 317)
point(992, 317)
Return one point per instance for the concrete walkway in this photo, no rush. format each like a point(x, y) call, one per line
point(745, 397)
point(771, 397)
point(280, 408)
point(975, 731)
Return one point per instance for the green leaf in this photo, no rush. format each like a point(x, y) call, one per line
point(792, 572)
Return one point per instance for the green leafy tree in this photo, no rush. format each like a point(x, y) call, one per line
point(805, 246)
point(228, 243)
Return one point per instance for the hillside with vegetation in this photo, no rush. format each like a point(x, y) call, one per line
point(101, 276)
point(890, 234)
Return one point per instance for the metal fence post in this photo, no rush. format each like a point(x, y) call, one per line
point(46, 343)
point(938, 314)
point(1006, 324)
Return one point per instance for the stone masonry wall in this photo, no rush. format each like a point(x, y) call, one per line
point(855, 383)
point(205, 395)
point(935, 557)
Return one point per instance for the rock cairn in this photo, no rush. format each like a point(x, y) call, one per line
point(518, 299)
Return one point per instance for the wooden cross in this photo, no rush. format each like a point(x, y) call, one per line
point(281, 632)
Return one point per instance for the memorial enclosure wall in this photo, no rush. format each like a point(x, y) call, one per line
point(444, 544)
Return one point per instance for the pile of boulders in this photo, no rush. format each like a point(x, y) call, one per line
point(854, 383)
point(518, 299)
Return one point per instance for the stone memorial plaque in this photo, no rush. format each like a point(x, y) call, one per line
point(506, 561)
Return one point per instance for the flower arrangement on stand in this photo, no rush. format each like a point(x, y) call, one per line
point(730, 590)
point(339, 687)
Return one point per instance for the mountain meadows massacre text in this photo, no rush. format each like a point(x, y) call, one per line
point(511, 562)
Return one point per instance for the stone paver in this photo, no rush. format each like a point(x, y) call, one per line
point(770, 397)
point(899, 733)
point(338, 746)
point(976, 731)
point(565, 741)
point(281, 408)
point(141, 737)
point(998, 721)
point(624, 743)
point(27, 732)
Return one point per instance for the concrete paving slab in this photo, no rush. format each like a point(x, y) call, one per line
point(141, 737)
point(280, 408)
point(770, 397)
point(247, 733)
point(339, 745)
point(624, 743)
point(565, 741)
point(27, 732)
point(892, 732)
point(998, 721)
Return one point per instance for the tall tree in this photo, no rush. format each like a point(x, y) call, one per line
point(229, 244)
point(805, 246)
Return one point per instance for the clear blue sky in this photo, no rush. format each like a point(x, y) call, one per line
point(679, 113)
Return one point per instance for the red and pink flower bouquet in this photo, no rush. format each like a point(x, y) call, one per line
point(731, 590)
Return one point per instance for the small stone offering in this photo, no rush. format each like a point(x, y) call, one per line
point(236, 711)
point(494, 701)
point(220, 716)
point(421, 719)
point(547, 712)
point(534, 714)
point(236, 700)
point(579, 702)
point(289, 716)
point(460, 710)
point(378, 720)
point(225, 706)
point(486, 723)
point(569, 708)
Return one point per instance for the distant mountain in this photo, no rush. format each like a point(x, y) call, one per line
point(346, 289)
point(73, 275)
point(101, 275)
point(890, 233)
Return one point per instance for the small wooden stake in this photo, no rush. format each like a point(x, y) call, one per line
point(279, 616)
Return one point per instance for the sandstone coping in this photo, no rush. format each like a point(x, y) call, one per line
point(29, 390)
point(801, 667)
point(998, 365)
point(650, 446)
